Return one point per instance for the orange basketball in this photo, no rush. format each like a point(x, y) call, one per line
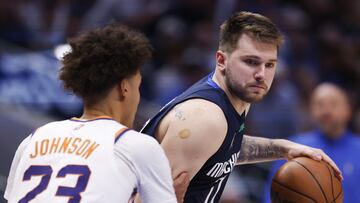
point(303, 180)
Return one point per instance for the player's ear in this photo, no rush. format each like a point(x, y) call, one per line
point(123, 89)
point(220, 60)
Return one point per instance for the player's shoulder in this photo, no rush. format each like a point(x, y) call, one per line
point(199, 121)
point(134, 136)
point(51, 126)
point(140, 148)
point(141, 143)
point(198, 102)
point(200, 110)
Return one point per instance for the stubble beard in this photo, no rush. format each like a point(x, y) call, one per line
point(242, 92)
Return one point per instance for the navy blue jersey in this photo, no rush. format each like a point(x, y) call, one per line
point(208, 184)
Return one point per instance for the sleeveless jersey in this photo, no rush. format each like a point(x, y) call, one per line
point(96, 160)
point(208, 184)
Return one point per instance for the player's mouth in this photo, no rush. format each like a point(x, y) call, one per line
point(258, 87)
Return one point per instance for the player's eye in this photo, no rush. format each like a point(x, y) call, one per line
point(270, 65)
point(252, 62)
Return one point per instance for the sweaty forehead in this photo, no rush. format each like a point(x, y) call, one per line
point(249, 46)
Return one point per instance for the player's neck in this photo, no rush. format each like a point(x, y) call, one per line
point(239, 105)
point(98, 110)
point(105, 110)
point(92, 113)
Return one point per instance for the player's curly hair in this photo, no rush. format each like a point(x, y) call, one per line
point(101, 58)
point(256, 25)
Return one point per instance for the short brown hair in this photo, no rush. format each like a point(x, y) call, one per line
point(102, 57)
point(258, 26)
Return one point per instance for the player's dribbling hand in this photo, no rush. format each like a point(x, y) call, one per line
point(181, 182)
point(297, 150)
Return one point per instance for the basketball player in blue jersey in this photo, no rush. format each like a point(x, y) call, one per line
point(95, 158)
point(202, 130)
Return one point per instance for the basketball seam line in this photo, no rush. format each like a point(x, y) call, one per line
point(294, 191)
point(314, 179)
point(332, 183)
point(341, 191)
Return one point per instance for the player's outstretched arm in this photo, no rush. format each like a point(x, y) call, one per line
point(257, 149)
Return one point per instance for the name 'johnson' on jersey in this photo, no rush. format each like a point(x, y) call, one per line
point(96, 160)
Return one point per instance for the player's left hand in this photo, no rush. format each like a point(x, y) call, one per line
point(298, 150)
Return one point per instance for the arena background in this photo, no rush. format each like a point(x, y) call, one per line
point(322, 44)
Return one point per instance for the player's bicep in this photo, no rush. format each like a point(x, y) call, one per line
point(192, 138)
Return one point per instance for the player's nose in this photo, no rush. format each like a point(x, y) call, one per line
point(259, 74)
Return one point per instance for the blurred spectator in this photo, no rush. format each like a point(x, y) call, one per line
point(136, 13)
point(331, 111)
point(12, 28)
point(46, 21)
point(41, 24)
point(30, 79)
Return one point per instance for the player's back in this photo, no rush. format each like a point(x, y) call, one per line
point(73, 160)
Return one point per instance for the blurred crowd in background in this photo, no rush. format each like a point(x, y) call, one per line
point(322, 43)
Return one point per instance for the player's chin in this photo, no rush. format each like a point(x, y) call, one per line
point(254, 97)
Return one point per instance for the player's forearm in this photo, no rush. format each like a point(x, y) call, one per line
point(258, 149)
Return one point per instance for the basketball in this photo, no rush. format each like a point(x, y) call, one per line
point(303, 180)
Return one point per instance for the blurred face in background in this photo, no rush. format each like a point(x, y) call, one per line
point(249, 70)
point(330, 109)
